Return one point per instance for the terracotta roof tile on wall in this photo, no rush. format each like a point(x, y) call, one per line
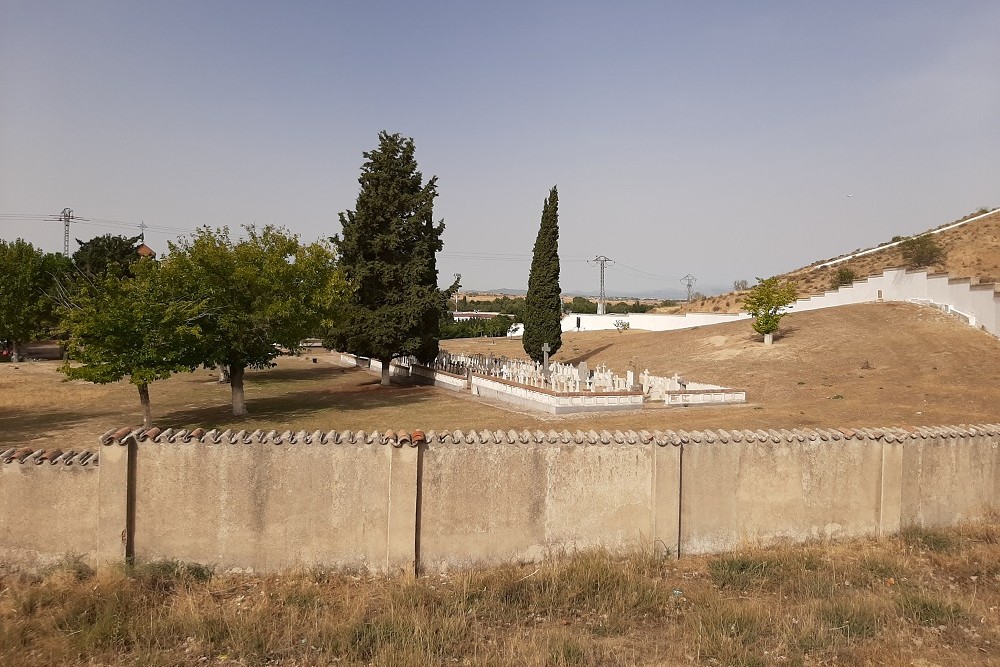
point(33, 455)
point(524, 437)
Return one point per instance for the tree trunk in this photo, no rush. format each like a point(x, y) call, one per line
point(236, 381)
point(16, 357)
point(768, 338)
point(147, 413)
point(385, 371)
point(223, 374)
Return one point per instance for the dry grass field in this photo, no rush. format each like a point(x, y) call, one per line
point(920, 600)
point(865, 365)
point(972, 251)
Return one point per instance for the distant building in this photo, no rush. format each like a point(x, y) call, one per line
point(145, 251)
point(459, 316)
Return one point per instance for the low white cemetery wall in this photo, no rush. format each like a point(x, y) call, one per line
point(536, 398)
point(439, 378)
point(403, 368)
point(647, 321)
point(705, 397)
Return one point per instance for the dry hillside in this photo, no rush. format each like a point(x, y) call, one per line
point(972, 251)
point(888, 363)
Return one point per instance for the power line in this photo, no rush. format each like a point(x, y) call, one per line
point(645, 273)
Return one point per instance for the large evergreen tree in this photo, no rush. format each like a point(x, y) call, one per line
point(543, 305)
point(387, 251)
point(107, 255)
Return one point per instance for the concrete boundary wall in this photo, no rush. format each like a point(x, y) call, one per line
point(648, 321)
point(403, 502)
point(977, 305)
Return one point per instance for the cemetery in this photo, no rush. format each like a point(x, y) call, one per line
point(556, 388)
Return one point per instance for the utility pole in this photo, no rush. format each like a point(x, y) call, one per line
point(689, 280)
point(66, 217)
point(601, 260)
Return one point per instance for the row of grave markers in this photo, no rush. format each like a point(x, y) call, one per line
point(559, 377)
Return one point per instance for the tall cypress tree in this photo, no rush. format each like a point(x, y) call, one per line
point(387, 251)
point(543, 304)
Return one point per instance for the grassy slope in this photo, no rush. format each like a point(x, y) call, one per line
point(973, 251)
point(925, 367)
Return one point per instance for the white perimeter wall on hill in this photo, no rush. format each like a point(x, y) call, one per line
point(648, 321)
point(976, 304)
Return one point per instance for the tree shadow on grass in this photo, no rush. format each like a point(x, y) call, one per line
point(785, 332)
point(587, 355)
point(302, 405)
point(18, 427)
point(316, 372)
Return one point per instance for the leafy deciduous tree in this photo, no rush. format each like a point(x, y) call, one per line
point(258, 295)
point(543, 303)
point(387, 251)
point(766, 303)
point(131, 327)
point(26, 277)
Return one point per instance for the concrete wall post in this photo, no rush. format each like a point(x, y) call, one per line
point(115, 499)
point(401, 530)
point(891, 491)
point(666, 505)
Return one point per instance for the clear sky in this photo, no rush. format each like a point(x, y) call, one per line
point(722, 139)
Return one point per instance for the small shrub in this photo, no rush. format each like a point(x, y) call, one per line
point(75, 566)
point(926, 610)
point(621, 325)
point(921, 251)
point(932, 540)
point(844, 276)
point(857, 618)
point(739, 572)
point(164, 575)
point(565, 651)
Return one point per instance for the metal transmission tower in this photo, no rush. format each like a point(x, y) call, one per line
point(601, 300)
point(689, 280)
point(66, 217)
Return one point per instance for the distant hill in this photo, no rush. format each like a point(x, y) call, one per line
point(971, 245)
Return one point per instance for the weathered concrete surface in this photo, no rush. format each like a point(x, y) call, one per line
point(48, 512)
point(268, 507)
point(520, 503)
point(766, 492)
point(383, 502)
point(948, 480)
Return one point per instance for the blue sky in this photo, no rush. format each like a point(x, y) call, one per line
point(710, 138)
